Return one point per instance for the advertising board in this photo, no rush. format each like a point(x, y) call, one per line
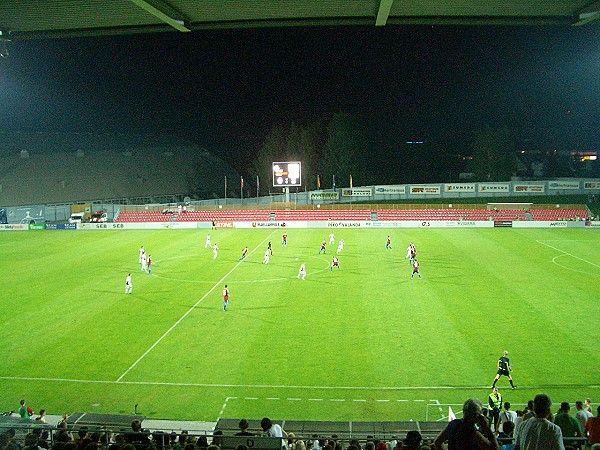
point(555, 185)
point(459, 187)
point(390, 190)
point(529, 188)
point(426, 190)
point(324, 195)
point(493, 187)
point(357, 192)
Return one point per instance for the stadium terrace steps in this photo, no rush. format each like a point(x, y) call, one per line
point(249, 215)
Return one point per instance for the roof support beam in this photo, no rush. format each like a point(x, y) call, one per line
point(588, 14)
point(383, 13)
point(163, 12)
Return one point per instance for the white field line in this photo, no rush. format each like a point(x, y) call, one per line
point(555, 261)
point(265, 386)
point(188, 312)
point(569, 254)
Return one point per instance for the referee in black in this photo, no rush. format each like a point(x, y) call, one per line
point(504, 369)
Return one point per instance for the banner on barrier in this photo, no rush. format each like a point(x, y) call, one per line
point(340, 224)
point(493, 187)
point(591, 185)
point(357, 192)
point(427, 190)
point(503, 224)
point(529, 188)
point(324, 195)
point(14, 227)
point(563, 185)
point(61, 226)
point(459, 187)
point(268, 224)
point(390, 190)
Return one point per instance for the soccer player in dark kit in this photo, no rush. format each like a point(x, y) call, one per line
point(504, 369)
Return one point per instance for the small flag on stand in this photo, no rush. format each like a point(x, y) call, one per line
point(257, 186)
point(350, 181)
point(318, 182)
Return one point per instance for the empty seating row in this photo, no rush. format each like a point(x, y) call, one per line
point(351, 214)
point(558, 214)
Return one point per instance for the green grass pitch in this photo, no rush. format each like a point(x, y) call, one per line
point(364, 343)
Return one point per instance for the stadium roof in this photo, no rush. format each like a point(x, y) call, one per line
point(72, 18)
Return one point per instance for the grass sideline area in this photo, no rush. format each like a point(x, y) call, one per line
point(365, 343)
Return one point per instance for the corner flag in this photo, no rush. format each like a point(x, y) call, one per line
point(451, 415)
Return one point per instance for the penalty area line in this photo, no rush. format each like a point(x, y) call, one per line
point(567, 253)
point(188, 312)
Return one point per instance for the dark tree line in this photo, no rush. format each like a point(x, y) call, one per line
point(344, 148)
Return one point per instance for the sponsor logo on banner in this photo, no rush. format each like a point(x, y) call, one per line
point(223, 224)
point(563, 185)
point(592, 224)
point(61, 226)
point(502, 223)
point(591, 185)
point(558, 224)
point(344, 225)
point(462, 187)
point(529, 188)
point(14, 227)
point(36, 226)
point(493, 187)
point(267, 224)
point(357, 192)
point(466, 223)
point(428, 190)
point(390, 189)
point(324, 195)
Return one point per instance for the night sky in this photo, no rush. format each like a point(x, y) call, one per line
point(226, 89)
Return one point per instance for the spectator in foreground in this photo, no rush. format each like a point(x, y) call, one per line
point(412, 441)
point(472, 431)
point(273, 430)
point(538, 433)
point(507, 415)
point(137, 437)
point(593, 428)
point(505, 436)
point(243, 426)
point(582, 415)
point(567, 423)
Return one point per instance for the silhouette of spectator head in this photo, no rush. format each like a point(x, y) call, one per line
point(541, 405)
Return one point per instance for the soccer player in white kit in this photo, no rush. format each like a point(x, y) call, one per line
point(302, 272)
point(331, 239)
point(142, 252)
point(144, 263)
point(128, 285)
point(340, 246)
point(215, 251)
point(267, 256)
point(207, 244)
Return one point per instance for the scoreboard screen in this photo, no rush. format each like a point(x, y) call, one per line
point(286, 174)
